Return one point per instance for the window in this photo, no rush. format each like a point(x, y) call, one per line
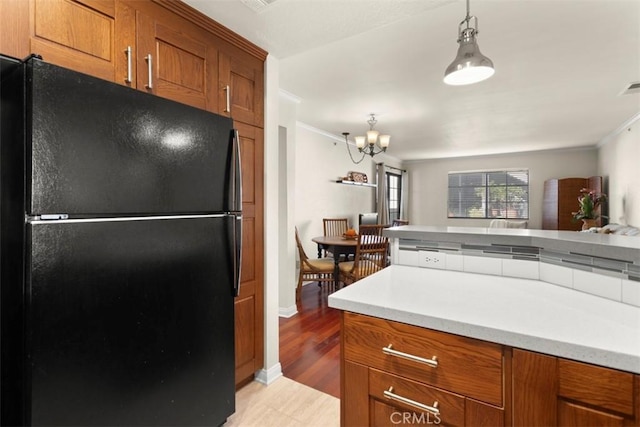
point(394, 189)
point(495, 194)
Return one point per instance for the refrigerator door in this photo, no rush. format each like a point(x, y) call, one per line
point(131, 322)
point(99, 148)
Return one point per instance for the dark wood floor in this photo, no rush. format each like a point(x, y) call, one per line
point(310, 342)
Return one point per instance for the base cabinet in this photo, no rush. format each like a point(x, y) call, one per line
point(394, 373)
point(550, 390)
point(473, 383)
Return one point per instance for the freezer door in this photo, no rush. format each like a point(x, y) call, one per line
point(131, 323)
point(97, 147)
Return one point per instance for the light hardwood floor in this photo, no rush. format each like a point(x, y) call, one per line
point(284, 403)
point(308, 393)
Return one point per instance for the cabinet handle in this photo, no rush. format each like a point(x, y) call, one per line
point(228, 107)
point(389, 394)
point(150, 69)
point(433, 362)
point(128, 52)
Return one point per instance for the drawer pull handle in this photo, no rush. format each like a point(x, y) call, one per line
point(228, 99)
point(433, 362)
point(389, 394)
point(127, 51)
point(149, 60)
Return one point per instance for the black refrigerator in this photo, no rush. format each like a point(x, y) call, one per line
point(120, 254)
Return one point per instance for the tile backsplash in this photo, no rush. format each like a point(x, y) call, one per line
point(615, 279)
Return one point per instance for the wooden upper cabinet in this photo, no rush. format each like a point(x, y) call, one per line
point(171, 57)
point(241, 86)
point(77, 34)
point(162, 47)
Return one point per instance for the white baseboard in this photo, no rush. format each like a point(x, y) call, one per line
point(267, 376)
point(288, 311)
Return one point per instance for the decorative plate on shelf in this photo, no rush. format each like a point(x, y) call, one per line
point(358, 177)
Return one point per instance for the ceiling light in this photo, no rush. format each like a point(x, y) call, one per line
point(367, 145)
point(257, 5)
point(631, 88)
point(469, 66)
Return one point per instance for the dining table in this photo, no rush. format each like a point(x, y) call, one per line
point(339, 246)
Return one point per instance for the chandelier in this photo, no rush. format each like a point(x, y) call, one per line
point(372, 144)
point(469, 66)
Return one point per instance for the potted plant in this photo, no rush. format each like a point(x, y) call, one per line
point(589, 201)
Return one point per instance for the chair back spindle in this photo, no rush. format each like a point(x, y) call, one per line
point(335, 226)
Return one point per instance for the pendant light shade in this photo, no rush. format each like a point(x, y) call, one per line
point(470, 65)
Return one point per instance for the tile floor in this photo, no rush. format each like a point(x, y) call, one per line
point(284, 403)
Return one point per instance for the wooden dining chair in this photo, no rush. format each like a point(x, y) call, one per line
point(372, 229)
point(371, 256)
point(312, 270)
point(398, 222)
point(334, 227)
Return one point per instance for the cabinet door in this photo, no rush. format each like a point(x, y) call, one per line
point(535, 385)
point(552, 391)
point(249, 310)
point(571, 414)
point(175, 58)
point(241, 86)
point(76, 34)
point(14, 31)
point(354, 389)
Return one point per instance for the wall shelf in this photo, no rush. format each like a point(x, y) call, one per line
point(358, 184)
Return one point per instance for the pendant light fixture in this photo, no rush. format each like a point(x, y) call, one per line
point(469, 66)
point(367, 145)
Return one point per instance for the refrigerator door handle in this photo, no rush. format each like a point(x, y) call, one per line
point(235, 192)
point(237, 248)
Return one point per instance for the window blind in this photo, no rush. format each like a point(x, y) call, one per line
point(489, 194)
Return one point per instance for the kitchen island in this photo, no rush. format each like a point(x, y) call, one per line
point(506, 349)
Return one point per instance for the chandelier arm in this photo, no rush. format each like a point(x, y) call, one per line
point(346, 134)
point(371, 150)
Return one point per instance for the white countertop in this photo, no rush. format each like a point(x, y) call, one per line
point(521, 313)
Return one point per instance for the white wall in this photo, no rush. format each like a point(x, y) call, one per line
point(287, 248)
point(319, 161)
point(619, 164)
point(272, 192)
point(428, 181)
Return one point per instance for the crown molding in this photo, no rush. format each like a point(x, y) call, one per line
point(604, 141)
point(289, 96)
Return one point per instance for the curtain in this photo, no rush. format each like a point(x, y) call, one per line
point(404, 196)
point(383, 206)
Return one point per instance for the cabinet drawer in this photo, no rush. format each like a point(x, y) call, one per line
point(603, 387)
point(466, 366)
point(449, 407)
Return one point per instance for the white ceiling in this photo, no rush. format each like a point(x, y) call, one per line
point(560, 67)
